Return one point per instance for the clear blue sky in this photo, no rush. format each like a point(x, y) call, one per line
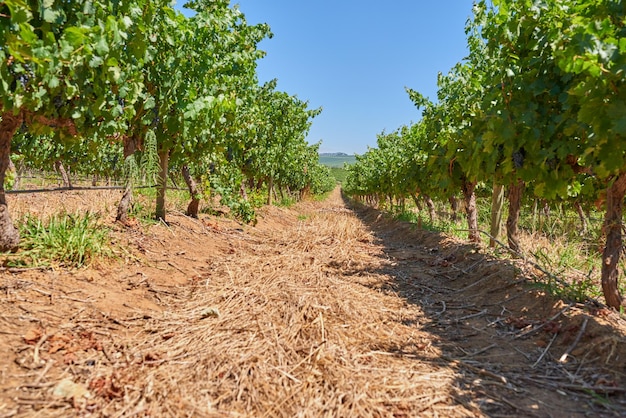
point(354, 59)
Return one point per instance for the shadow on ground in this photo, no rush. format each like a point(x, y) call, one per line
point(516, 351)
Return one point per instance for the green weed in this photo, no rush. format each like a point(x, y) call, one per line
point(408, 216)
point(285, 202)
point(257, 197)
point(68, 240)
point(320, 197)
point(572, 271)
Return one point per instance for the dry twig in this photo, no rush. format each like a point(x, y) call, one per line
point(571, 348)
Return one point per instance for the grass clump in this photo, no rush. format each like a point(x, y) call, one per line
point(575, 272)
point(68, 240)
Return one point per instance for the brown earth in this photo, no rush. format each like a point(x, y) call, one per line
point(319, 310)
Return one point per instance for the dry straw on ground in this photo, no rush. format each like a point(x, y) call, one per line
point(276, 332)
point(317, 311)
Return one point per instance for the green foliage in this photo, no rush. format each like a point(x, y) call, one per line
point(441, 224)
point(268, 143)
point(320, 179)
point(240, 208)
point(148, 167)
point(68, 240)
point(224, 180)
point(74, 66)
point(540, 99)
point(243, 210)
point(257, 198)
point(512, 109)
point(109, 88)
point(340, 174)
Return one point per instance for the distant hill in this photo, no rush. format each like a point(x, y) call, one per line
point(336, 159)
point(333, 154)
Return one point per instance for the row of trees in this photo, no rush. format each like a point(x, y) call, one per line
point(107, 85)
point(538, 106)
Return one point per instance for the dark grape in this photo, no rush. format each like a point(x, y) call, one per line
point(518, 158)
point(155, 117)
point(58, 102)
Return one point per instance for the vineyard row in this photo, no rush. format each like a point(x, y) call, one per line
point(536, 110)
point(136, 90)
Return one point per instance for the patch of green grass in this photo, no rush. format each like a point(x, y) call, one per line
point(285, 202)
point(179, 197)
point(321, 197)
point(147, 192)
point(68, 240)
point(408, 216)
point(143, 211)
point(572, 271)
point(144, 202)
point(441, 224)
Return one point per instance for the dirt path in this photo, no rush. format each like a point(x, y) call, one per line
point(317, 311)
